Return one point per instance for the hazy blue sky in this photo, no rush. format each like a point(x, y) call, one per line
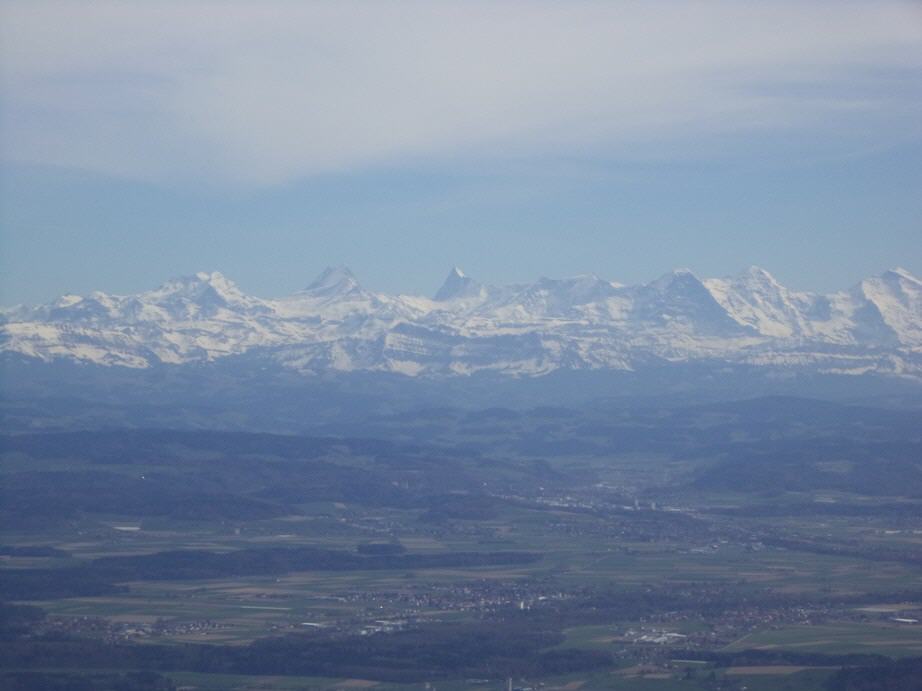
point(141, 141)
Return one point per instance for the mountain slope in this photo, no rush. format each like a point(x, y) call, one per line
point(584, 322)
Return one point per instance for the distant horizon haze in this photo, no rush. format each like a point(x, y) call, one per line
point(207, 274)
point(515, 139)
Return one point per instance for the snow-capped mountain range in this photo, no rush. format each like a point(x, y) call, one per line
point(584, 322)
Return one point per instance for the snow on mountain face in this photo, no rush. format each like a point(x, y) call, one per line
point(756, 299)
point(579, 323)
point(457, 286)
point(201, 296)
point(334, 281)
point(681, 299)
point(897, 297)
point(556, 299)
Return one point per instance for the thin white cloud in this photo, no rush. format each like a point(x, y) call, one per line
point(261, 92)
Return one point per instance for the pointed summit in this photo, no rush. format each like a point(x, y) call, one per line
point(677, 279)
point(204, 286)
point(899, 272)
point(201, 295)
point(898, 282)
point(757, 274)
point(755, 298)
point(896, 296)
point(335, 280)
point(457, 286)
point(681, 297)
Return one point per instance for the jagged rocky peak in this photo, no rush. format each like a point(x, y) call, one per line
point(563, 293)
point(215, 279)
point(901, 280)
point(583, 321)
point(898, 283)
point(203, 294)
point(757, 276)
point(681, 296)
point(458, 286)
point(205, 288)
point(754, 285)
point(893, 298)
point(677, 279)
point(67, 300)
point(335, 280)
point(198, 284)
point(902, 273)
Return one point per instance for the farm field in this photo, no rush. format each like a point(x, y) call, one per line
point(309, 564)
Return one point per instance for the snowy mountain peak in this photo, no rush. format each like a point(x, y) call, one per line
point(203, 295)
point(891, 303)
point(68, 300)
point(676, 280)
point(756, 275)
point(198, 282)
point(558, 295)
point(754, 298)
point(335, 280)
point(207, 288)
point(901, 276)
point(900, 283)
point(210, 276)
point(583, 322)
point(458, 286)
point(681, 298)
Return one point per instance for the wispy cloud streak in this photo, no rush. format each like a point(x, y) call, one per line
point(264, 92)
